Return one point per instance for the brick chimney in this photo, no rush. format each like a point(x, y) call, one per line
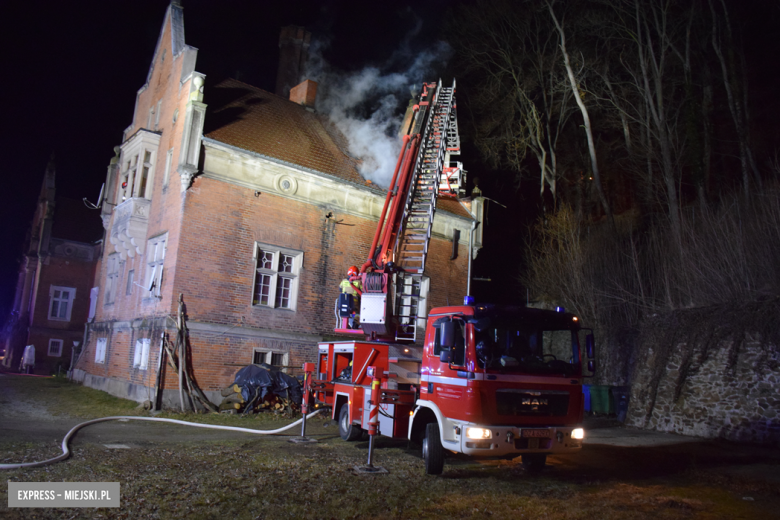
point(304, 94)
point(294, 44)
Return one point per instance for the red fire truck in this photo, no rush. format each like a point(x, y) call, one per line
point(488, 381)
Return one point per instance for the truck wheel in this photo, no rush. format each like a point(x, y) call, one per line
point(432, 450)
point(534, 462)
point(348, 431)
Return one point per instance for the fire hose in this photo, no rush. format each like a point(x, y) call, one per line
point(66, 451)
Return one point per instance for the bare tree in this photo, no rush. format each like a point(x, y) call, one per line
point(521, 97)
point(576, 92)
point(733, 78)
point(644, 37)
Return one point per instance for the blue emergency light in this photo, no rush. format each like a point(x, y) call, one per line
point(468, 300)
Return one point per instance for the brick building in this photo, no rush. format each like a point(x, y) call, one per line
point(52, 299)
point(252, 209)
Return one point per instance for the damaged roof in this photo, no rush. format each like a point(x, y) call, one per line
point(252, 119)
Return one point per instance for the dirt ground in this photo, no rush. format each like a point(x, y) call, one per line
point(172, 471)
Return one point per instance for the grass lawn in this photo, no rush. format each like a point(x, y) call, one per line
point(237, 476)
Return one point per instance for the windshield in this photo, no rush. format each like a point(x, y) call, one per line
point(527, 350)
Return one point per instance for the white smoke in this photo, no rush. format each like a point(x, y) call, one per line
point(368, 106)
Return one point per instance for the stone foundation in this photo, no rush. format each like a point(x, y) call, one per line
point(737, 401)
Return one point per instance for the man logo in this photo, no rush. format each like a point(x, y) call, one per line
point(534, 403)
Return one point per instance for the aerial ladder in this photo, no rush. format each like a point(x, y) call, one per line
point(490, 381)
point(392, 302)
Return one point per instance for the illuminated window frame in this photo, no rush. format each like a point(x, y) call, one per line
point(100, 350)
point(276, 276)
point(275, 358)
point(155, 258)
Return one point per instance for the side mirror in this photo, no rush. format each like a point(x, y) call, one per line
point(447, 334)
point(589, 348)
point(446, 356)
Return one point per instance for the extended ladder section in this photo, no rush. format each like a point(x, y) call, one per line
point(440, 140)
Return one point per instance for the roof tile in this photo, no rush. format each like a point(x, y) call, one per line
point(257, 121)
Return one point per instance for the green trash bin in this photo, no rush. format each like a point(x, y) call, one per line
point(601, 400)
point(596, 399)
point(610, 400)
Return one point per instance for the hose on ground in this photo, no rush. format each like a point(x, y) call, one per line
point(66, 451)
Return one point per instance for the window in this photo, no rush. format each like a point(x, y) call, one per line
point(514, 346)
point(458, 349)
point(55, 347)
point(143, 185)
point(112, 277)
point(129, 177)
point(61, 302)
point(93, 301)
point(270, 357)
point(149, 120)
point(277, 359)
point(155, 255)
point(277, 272)
point(168, 161)
point(139, 156)
point(157, 115)
point(100, 350)
point(141, 355)
point(130, 282)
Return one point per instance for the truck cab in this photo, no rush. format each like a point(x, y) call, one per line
point(501, 382)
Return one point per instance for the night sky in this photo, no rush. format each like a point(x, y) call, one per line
point(71, 71)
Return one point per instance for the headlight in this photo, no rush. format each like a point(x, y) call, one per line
point(478, 433)
point(578, 433)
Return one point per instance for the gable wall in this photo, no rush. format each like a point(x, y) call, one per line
point(165, 210)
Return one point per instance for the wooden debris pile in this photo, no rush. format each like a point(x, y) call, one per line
point(178, 359)
point(256, 388)
point(234, 402)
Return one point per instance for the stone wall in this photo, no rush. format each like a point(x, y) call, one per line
point(730, 395)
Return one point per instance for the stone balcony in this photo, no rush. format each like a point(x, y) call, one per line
point(131, 221)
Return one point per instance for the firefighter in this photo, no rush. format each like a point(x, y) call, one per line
point(354, 288)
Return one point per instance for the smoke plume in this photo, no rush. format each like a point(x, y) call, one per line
point(368, 105)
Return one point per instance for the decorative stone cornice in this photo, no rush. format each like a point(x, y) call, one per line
point(227, 163)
